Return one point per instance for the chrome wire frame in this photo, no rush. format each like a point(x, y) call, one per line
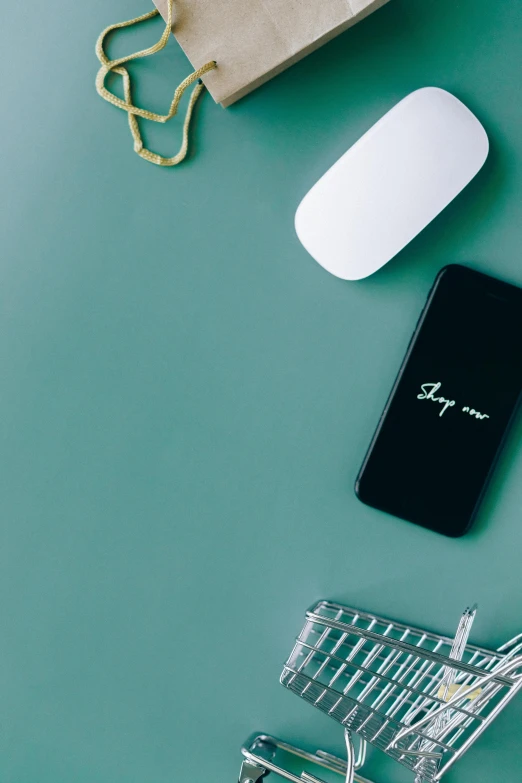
point(261, 755)
point(382, 680)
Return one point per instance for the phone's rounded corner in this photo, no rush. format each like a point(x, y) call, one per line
point(358, 490)
point(459, 532)
point(449, 269)
point(469, 526)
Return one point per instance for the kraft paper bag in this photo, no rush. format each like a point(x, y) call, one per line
point(233, 45)
point(253, 40)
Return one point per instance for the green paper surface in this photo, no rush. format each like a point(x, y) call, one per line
point(187, 396)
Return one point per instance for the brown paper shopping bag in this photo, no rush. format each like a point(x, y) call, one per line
point(237, 45)
point(253, 40)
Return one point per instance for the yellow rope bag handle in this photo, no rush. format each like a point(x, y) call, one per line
point(116, 66)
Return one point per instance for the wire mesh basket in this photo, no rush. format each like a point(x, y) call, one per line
point(385, 680)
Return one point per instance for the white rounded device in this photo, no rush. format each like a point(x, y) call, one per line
point(391, 183)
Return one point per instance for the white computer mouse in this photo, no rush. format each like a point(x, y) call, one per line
point(391, 183)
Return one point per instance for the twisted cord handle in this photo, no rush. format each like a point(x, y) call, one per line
point(133, 112)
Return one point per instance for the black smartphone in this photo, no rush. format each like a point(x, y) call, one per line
point(451, 405)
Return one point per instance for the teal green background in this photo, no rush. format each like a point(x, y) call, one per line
point(187, 396)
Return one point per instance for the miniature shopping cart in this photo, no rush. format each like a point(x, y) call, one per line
point(388, 683)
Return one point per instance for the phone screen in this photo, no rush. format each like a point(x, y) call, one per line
point(451, 405)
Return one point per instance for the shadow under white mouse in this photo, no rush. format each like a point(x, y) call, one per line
point(391, 183)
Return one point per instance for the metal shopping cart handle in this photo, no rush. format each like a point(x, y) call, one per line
point(261, 750)
point(477, 691)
